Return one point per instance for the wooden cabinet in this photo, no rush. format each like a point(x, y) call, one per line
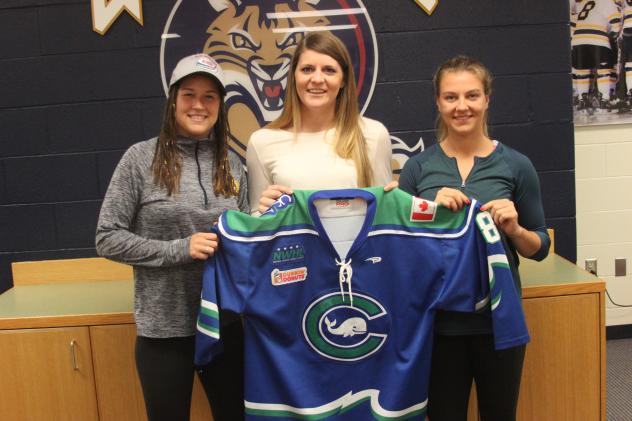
point(61, 360)
point(563, 378)
point(117, 386)
point(46, 374)
point(564, 370)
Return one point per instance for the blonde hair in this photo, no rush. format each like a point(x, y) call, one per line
point(461, 63)
point(167, 162)
point(350, 142)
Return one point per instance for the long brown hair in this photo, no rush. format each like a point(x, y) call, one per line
point(167, 163)
point(350, 142)
point(461, 63)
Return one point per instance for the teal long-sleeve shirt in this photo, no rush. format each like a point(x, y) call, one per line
point(504, 174)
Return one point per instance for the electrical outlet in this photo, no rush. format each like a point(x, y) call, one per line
point(619, 266)
point(591, 266)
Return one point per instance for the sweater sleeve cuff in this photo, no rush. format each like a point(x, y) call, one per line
point(545, 244)
point(180, 251)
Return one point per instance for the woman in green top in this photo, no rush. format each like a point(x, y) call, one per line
point(466, 163)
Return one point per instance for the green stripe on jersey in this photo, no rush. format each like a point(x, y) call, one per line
point(295, 214)
point(395, 209)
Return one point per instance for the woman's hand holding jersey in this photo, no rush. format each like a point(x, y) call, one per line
point(270, 195)
point(452, 199)
point(202, 245)
point(504, 214)
point(274, 191)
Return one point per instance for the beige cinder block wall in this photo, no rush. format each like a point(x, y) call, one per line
point(603, 181)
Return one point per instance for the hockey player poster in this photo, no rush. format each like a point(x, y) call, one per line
point(601, 54)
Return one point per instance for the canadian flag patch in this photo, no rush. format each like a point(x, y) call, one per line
point(422, 210)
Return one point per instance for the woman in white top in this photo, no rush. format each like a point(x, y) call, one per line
point(320, 141)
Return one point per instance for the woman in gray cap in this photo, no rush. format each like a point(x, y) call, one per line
point(163, 198)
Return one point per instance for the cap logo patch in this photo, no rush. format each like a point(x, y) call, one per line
point(207, 62)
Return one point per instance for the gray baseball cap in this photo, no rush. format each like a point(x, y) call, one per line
point(198, 64)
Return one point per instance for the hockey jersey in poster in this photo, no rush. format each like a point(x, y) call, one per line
point(596, 22)
point(338, 291)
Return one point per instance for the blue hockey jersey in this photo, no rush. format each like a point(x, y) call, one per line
point(339, 326)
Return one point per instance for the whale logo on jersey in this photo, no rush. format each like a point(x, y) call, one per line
point(338, 331)
point(253, 41)
point(350, 327)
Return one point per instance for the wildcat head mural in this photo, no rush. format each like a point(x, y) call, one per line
point(253, 40)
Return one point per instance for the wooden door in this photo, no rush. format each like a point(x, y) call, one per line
point(561, 378)
point(118, 387)
point(47, 375)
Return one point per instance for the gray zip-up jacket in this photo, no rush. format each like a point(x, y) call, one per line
point(140, 225)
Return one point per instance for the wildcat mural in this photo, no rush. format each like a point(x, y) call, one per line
point(254, 40)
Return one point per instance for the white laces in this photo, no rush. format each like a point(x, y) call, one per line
point(344, 276)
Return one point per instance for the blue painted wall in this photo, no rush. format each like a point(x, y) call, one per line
point(72, 101)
